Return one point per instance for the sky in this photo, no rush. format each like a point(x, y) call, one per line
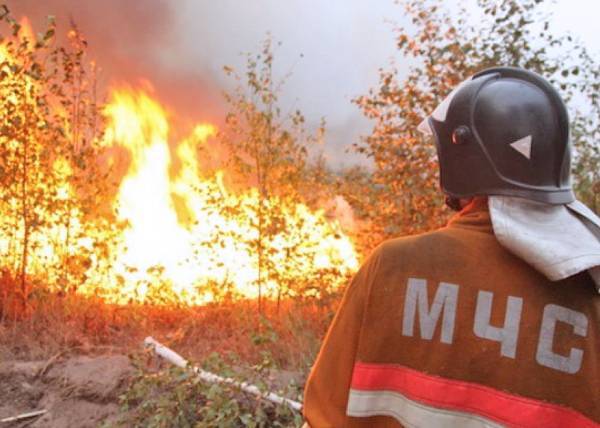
point(333, 49)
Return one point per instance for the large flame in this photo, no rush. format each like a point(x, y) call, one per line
point(191, 241)
point(187, 237)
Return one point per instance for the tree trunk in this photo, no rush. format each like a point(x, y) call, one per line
point(24, 215)
point(67, 254)
point(260, 254)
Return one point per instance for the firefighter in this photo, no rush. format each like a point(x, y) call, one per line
point(493, 320)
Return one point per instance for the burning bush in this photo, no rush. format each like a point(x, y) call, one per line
point(100, 199)
point(51, 228)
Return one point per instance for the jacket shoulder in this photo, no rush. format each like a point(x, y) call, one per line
point(425, 242)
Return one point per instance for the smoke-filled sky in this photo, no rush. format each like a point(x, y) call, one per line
point(332, 48)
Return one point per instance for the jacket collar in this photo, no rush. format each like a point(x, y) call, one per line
point(474, 216)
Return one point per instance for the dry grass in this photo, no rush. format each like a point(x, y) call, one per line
point(274, 351)
point(57, 323)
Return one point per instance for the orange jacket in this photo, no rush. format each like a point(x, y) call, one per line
point(450, 329)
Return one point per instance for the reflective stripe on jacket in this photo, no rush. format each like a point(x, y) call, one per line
point(450, 329)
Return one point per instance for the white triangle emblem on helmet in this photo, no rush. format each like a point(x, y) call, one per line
point(523, 146)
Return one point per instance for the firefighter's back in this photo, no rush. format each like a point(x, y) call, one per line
point(459, 332)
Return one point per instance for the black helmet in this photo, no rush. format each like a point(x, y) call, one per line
point(505, 131)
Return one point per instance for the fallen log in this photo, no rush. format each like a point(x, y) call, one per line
point(177, 360)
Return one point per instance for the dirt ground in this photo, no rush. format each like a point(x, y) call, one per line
point(70, 357)
point(78, 391)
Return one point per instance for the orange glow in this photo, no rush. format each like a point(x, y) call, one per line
point(193, 243)
point(187, 237)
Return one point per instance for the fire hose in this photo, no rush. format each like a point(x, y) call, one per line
point(177, 360)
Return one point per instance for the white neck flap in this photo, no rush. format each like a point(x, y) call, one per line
point(557, 240)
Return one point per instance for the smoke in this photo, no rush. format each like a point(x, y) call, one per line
point(127, 39)
point(333, 50)
point(341, 210)
point(330, 53)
